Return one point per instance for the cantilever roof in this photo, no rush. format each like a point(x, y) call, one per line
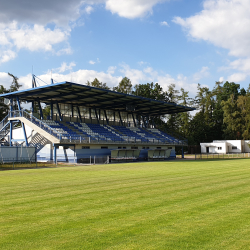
point(82, 95)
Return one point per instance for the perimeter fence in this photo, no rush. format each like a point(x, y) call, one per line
point(217, 156)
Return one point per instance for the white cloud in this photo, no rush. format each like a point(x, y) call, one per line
point(80, 77)
point(65, 67)
point(94, 62)
point(6, 56)
point(237, 77)
point(40, 12)
point(111, 70)
point(221, 79)
point(164, 23)
point(131, 8)
point(5, 80)
point(224, 23)
point(204, 72)
point(89, 9)
point(36, 38)
point(142, 63)
point(14, 37)
point(25, 26)
point(148, 75)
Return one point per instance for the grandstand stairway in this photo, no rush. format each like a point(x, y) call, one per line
point(5, 127)
point(38, 141)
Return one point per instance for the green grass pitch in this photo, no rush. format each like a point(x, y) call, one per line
point(152, 205)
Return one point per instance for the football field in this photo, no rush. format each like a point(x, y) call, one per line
point(180, 204)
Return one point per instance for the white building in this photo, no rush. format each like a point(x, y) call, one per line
point(225, 147)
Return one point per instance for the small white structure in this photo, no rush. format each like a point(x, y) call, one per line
point(225, 147)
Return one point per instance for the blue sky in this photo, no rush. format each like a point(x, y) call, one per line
point(171, 41)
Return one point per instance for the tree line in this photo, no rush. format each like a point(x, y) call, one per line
point(221, 113)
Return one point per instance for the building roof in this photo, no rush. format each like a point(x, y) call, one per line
point(83, 95)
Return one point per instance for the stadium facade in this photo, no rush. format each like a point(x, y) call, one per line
point(86, 122)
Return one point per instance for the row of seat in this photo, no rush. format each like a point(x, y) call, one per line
point(110, 133)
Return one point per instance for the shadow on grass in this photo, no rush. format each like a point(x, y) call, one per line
point(18, 166)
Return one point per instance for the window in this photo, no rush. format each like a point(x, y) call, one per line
point(119, 147)
point(104, 147)
point(158, 147)
point(234, 147)
point(169, 147)
point(134, 147)
point(85, 147)
point(219, 148)
point(124, 147)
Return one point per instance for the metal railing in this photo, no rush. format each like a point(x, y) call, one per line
point(216, 156)
point(4, 122)
point(67, 138)
point(36, 121)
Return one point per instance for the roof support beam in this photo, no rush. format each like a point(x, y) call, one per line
point(105, 114)
point(133, 119)
point(59, 112)
point(51, 110)
point(24, 131)
point(120, 117)
point(11, 122)
point(40, 109)
point(79, 113)
point(96, 115)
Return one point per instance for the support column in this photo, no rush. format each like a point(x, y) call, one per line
point(40, 109)
point(79, 113)
point(105, 113)
point(11, 122)
point(120, 117)
point(96, 116)
point(59, 112)
point(133, 119)
point(182, 152)
point(51, 110)
point(90, 114)
point(33, 86)
point(144, 122)
point(54, 155)
point(24, 131)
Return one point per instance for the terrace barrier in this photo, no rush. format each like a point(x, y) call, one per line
point(67, 138)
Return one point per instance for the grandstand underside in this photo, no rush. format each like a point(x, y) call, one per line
point(87, 122)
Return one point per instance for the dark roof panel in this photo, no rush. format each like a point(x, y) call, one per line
point(83, 95)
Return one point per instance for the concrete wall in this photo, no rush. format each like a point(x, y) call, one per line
point(67, 154)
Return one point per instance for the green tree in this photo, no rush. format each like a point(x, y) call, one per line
point(96, 83)
point(233, 119)
point(150, 90)
point(3, 107)
point(14, 87)
point(125, 86)
point(184, 117)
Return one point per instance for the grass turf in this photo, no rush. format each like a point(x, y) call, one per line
point(152, 205)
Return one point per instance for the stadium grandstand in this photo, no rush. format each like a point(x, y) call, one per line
point(86, 122)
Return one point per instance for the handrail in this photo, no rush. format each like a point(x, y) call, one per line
point(67, 138)
point(3, 122)
point(36, 121)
